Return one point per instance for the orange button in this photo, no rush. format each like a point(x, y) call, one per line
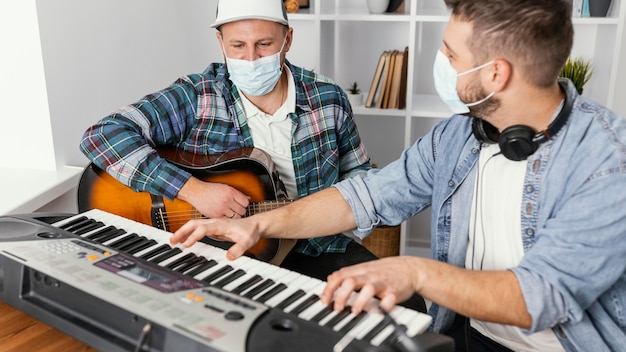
point(92, 257)
point(199, 299)
point(189, 295)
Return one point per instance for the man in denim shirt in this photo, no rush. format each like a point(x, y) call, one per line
point(527, 185)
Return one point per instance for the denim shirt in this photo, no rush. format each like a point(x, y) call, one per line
point(573, 217)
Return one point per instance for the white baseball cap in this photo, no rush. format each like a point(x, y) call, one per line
point(237, 10)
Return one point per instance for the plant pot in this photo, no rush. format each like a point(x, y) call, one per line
point(377, 6)
point(355, 99)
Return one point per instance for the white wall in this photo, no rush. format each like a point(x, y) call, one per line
point(25, 131)
point(100, 55)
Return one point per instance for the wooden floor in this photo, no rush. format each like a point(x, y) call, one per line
point(20, 332)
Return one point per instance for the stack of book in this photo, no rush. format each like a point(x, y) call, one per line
point(388, 89)
point(590, 8)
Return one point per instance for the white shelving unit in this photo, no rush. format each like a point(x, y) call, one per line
point(344, 41)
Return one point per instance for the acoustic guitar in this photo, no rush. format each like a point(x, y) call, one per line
point(249, 170)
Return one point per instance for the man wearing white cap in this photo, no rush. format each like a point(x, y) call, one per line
point(255, 99)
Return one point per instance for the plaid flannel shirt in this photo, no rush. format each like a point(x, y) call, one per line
point(203, 114)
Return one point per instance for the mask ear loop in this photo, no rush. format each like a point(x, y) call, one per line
point(474, 70)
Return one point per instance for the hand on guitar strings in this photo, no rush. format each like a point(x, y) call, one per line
point(214, 200)
point(242, 232)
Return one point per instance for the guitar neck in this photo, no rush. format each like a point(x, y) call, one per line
point(260, 207)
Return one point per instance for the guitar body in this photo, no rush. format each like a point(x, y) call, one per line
point(249, 170)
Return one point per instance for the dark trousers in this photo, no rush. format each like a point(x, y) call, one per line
point(468, 339)
point(326, 263)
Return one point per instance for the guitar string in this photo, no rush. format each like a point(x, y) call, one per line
point(179, 217)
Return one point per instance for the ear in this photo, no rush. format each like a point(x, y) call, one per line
point(288, 40)
point(499, 75)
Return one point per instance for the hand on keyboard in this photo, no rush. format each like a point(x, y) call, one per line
point(241, 232)
point(390, 279)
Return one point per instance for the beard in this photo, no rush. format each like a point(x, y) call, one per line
point(475, 92)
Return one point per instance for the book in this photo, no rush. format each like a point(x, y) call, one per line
point(369, 102)
point(394, 93)
point(404, 79)
point(577, 8)
point(385, 98)
point(383, 81)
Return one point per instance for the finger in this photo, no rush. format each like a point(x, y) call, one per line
point(388, 301)
point(365, 296)
point(333, 281)
point(343, 293)
point(235, 251)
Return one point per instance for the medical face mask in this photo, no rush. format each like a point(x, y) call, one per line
point(256, 77)
point(445, 82)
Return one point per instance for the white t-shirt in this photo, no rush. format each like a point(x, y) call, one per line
point(495, 239)
point(273, 134)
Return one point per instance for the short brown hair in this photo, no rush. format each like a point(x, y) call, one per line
point(536, 36)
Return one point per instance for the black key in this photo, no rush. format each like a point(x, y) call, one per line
point(80, 225)
point(110, 236)
point(392, 339)
point(246, 285)
point(160, 249)
point(289, 300)
point(181, 260)
point(259, 288)
point(165, 255)
point(217, 274)
point(305, 304)
point(102, 232)
point(271, 293)
point(323, 313)
point(133, 241)
point(338, 318)
point(230, 278)
point(191, 264)
point(375, 330)
point(88, 228)
point(123, 241)
point(141, 246)
point(70, 224)
point(202, 268)
point(352, 323)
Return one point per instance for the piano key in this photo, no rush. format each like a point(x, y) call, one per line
point(401, 316)
point(201, 268)
point(258, 289)
point(141, 246)
point(88, 228)
point(230, 278)
point(271, 293)
point(156, 251)
point(275, 287)
point(190, 264)
point(247, 284)
point(70, 222)
point(121, 242)
point(218, 273)
point(132, 243)
point(101, 232)
point(184, 259)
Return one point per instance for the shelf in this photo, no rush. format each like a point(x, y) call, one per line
point(26, 190)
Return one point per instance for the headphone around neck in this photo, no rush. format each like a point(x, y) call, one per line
point(518, 142)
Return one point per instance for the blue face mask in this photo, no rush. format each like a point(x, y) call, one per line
point(256, 77)
point(445, 83)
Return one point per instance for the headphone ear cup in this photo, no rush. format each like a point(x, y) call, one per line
point(516, 142)
point(484, 131)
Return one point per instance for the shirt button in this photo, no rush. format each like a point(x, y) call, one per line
point(475, 150)
point(530, 189)
point(450, 183)
point(530, 232)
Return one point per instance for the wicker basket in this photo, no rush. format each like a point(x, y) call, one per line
point(384, 241)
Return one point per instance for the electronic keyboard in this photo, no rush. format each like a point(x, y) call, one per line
point(118, 285)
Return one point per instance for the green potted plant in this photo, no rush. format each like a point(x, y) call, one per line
point(579, 71)
point(354, 95)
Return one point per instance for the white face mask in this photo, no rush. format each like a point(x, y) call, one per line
point(445, 82)
point(256, 77)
